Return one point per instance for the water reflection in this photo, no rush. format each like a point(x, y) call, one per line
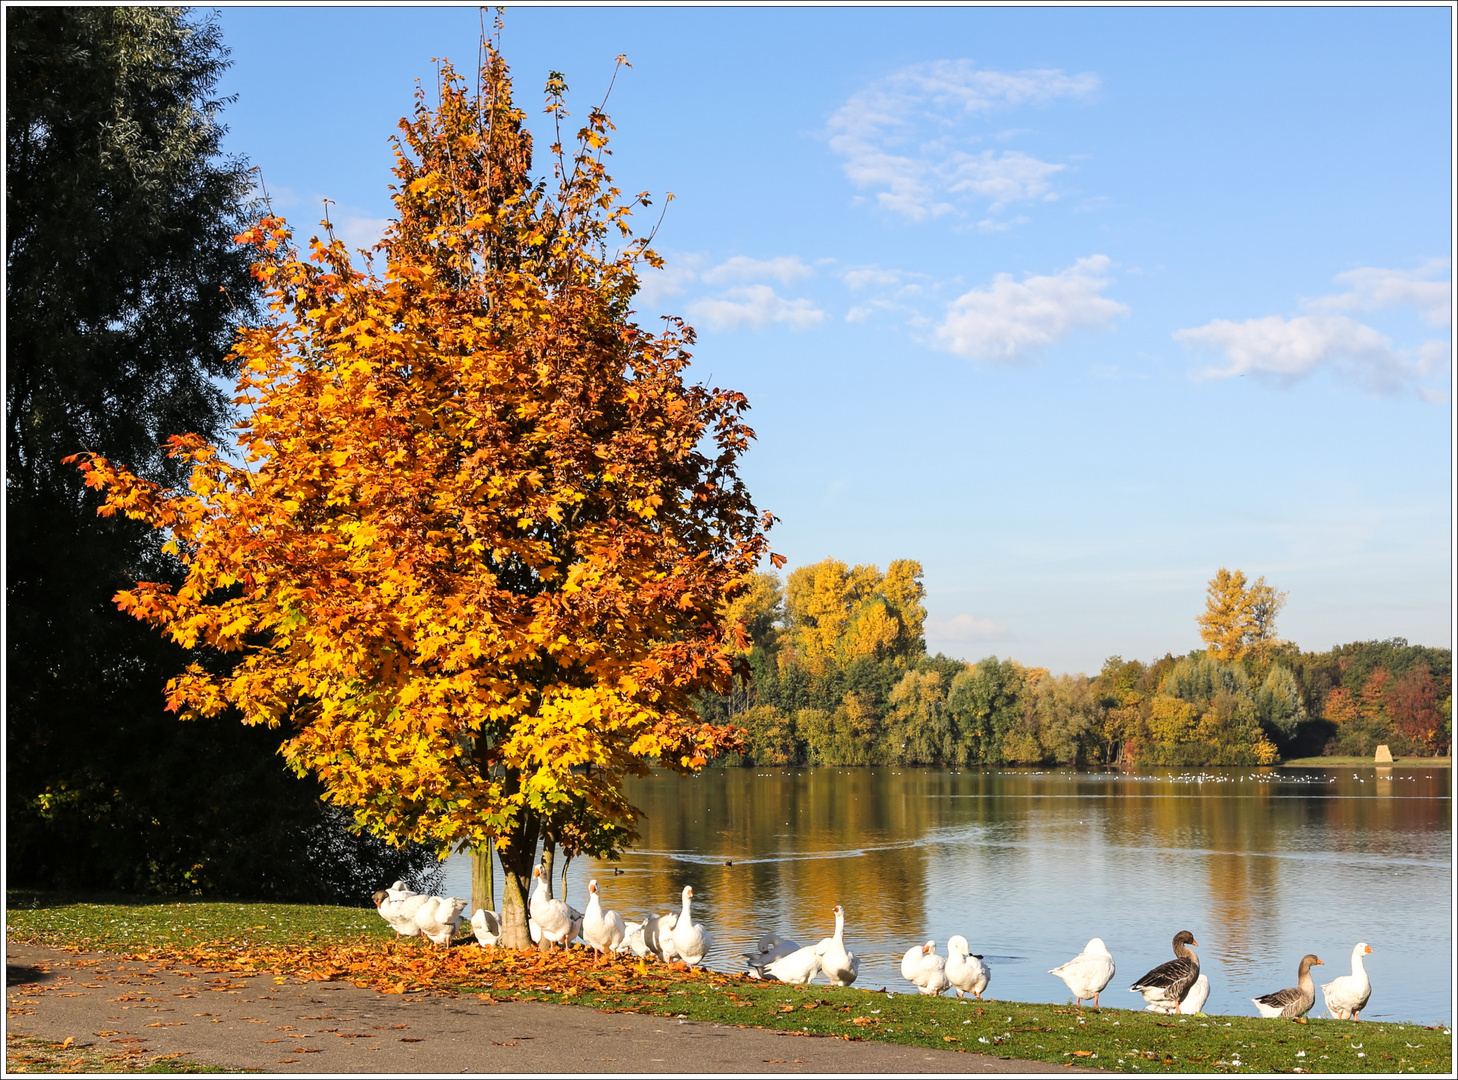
point(1261, 865)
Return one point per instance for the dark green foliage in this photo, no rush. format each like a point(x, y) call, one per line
point(124, 288)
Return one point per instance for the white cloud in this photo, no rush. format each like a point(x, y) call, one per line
point(361, 232)
point(756, 306)
point(1286, 350)
point(965, 627)
point(672, 279)
point(786, 269)
point(1013, 321)
point(1007, 177)
point(901, 136)
point(863, 277)
point(1427, 288)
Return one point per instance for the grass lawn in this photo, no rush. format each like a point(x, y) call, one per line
point(304, 943)
point(1343, 762)
point(25, 1055)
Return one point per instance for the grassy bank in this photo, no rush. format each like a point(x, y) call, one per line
point(320, 943)
point(25, 1055)
point(1343, 762)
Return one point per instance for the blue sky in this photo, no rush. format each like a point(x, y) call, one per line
point(1075, 306)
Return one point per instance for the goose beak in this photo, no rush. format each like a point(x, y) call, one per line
point(1367, 949)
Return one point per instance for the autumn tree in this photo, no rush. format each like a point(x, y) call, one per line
point(475, 554)
point(1414, 707)
point(1239, 616)
point(837, 613)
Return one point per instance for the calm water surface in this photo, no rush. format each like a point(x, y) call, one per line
point(1262, 866)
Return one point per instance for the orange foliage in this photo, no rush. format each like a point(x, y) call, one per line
point(474, 551)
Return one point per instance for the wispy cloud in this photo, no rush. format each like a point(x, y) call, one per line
point(1427, 288)
point(1285, 350)
point(965, 627)
point(672, 279)
point(754, 306)
point(905, 136)
point(360, 232)
point(750, 298)
point(1012, 322)
point(786, 269)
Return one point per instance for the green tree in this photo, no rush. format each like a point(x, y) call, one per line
point(123, 288)
point(985, 704)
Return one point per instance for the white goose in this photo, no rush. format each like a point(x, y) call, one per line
point(965, 970)
point(926, 969)
point(799, 967)
point(633, 940)
point(840, 965)
point(603, 930)
point(486, 925)
point(767, 950)
point(690, 939)
point(658, 937)
point(1087, 973)
point(439, 917)
point(1347, 995)
point(397, 905)
point(558, 920)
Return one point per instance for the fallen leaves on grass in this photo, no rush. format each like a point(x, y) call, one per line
point(408, 967)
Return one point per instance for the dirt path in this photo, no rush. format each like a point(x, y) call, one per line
point(244, 1021)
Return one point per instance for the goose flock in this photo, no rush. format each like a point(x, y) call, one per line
point(1175, 986)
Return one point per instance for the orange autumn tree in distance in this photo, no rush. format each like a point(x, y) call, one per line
point(474, 557)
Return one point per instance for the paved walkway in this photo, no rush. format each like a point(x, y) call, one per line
point(246, 1021)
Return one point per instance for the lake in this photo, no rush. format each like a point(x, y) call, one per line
point(1261, 865)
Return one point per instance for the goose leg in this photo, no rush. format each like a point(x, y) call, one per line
point(1096, 1001)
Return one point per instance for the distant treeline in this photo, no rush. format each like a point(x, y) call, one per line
point(839, 675)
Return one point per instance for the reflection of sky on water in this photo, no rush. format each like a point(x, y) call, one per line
point(1262, 866)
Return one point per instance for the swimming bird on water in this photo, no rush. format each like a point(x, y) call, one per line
point(1293, 1002)
point(1166, 984)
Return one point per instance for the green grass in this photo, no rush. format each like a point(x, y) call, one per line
point(28, 1055)
point(116, 923)
point(1336, 762)
point(1112, 1039)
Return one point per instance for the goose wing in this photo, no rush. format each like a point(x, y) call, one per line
point(1172, 974)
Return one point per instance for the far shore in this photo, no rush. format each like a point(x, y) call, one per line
point(1350, 762)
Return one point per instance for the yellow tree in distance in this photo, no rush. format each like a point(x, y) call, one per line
point(1239, 616)
point(475, 558)
point(836, 611)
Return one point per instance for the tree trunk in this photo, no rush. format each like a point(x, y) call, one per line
point(517, 857)
point(566, 862)
point(482, 887)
